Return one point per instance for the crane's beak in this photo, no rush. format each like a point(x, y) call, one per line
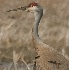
point(21, 8)
point(25, 8)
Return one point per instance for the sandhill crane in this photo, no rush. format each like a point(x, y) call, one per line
point(49, 58)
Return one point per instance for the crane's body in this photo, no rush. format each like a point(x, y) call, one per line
point(49, 58)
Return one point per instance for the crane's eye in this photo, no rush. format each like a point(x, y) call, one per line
point(33, 4)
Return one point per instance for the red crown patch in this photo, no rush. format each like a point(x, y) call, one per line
point(33, 4)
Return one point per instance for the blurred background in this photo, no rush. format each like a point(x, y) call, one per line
point(16, 28)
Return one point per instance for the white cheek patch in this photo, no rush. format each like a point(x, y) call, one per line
point(33, 8)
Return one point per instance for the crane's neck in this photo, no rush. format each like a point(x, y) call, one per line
point(38, 16)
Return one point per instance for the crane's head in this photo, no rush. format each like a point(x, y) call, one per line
point(34, 7)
